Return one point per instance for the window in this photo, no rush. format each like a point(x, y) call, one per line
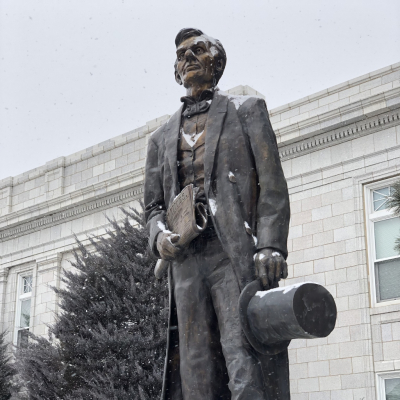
point(381, 197)
point(392, 389)
point(383, 230)
point(389, 387)
point(23, 315)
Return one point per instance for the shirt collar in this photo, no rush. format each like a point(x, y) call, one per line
point(207, 94)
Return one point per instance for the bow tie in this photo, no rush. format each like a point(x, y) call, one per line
point(192, 107)
point(196, 108)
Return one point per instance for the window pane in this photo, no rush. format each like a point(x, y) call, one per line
point(25, 313)
point(386, 233)
point(27, 284)
point(22, 339)
point(392, 389)
point(380, 198)
point(388, 274)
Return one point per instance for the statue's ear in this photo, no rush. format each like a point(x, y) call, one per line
point(178, 78)
point(220, 65)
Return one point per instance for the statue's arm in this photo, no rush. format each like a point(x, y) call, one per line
point(273, 210)
point(153, 196)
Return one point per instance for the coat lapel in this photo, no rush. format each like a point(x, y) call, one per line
point(215, 121)
point(171, 146)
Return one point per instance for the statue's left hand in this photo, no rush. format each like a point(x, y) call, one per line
point(270, 267)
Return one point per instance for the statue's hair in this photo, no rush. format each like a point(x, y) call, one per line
point(187, 33)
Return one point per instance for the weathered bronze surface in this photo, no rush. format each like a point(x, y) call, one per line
point(219, 340)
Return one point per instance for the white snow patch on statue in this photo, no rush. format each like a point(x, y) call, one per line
point(248, 229)
point(191, 139)
point(213, 206)
point(163, 227)
point(238, 100)
point(205, 38)
point(285, 289)
point(213, 50)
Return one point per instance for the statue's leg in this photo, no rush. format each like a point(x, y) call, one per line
point(244, 369)
point(202, 368)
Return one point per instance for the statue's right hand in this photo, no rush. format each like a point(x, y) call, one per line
point(166, 245)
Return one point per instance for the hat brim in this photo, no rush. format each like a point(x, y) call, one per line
point(245, 297)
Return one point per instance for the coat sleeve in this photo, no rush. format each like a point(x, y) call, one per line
point(273, 210)
point(153, 196)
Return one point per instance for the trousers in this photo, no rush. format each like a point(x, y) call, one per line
point(216, 362)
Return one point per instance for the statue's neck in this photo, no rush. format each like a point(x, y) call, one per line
point(196, 90)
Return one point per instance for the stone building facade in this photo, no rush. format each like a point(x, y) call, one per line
point(340, 150)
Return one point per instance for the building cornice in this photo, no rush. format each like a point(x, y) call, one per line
point(339, 117)
point(358, 129)
point(76, 210)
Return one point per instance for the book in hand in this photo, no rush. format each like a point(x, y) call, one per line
point(186, 218)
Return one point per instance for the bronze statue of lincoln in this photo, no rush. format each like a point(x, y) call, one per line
point(225, 147)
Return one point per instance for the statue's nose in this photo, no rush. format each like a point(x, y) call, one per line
point(189, 54)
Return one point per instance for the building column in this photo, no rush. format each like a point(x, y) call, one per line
point(3, 288)
point(46, 302)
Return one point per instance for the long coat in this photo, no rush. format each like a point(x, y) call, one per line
point(245, 189)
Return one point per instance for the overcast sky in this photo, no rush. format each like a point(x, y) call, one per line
point(74, 73)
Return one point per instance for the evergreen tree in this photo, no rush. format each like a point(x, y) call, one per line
point(41, 370)
point(111, 332)
point(6, 370)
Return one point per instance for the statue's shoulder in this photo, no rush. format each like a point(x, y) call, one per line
point(158, 134)
point(242, 102)
point(172, 123)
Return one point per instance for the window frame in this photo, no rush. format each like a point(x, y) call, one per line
point(380, 383)
point(20, 297)
point(371, 217)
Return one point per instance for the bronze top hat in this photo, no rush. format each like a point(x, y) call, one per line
point(271, 319)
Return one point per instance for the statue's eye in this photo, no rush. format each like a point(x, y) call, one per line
point(199, 50)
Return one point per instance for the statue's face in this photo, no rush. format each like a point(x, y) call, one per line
point(195, 62)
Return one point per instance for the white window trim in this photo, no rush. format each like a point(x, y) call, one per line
point(21, 296)
point(370, 218)
point(380, 383)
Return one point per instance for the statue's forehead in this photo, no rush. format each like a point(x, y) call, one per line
point(197, 39)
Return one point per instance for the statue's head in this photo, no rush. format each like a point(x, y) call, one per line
point(200, 59)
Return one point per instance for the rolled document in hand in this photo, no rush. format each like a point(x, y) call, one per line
point(186, 217)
